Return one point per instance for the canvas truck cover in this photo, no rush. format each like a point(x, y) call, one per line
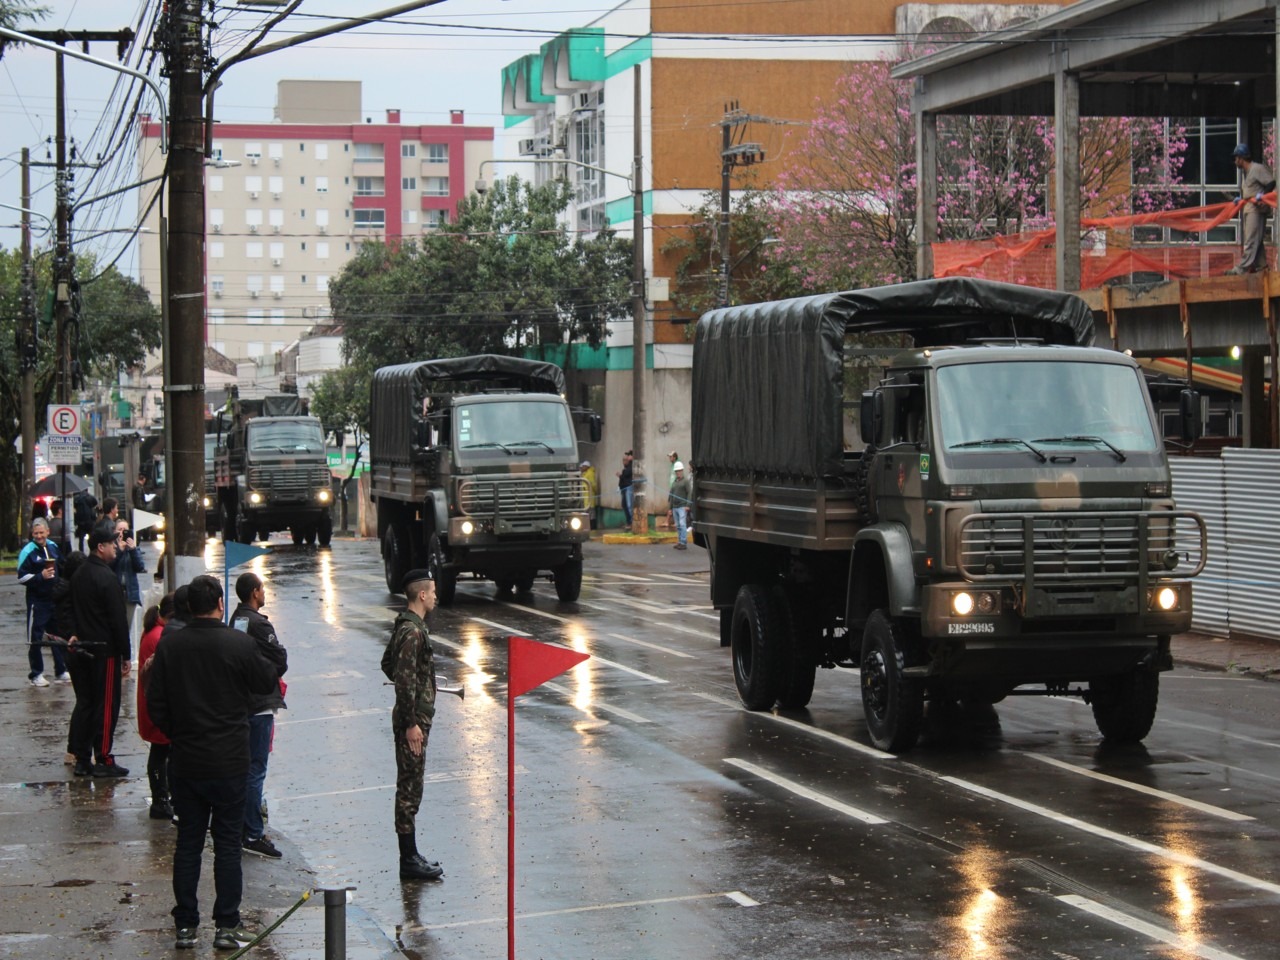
point(768, 377)
point(397, 394)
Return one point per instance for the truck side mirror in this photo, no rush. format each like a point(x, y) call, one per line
point(594, 427)
point(870, 414)
point(1189, 415)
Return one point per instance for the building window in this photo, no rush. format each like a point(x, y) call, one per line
point(215, 218)
point(322, 151)
point(437, 153)
point(217, 317)
point(253, 317)
point(322, 219)
point(277, 318)
point(408, 183)
point(275, 218)
point(253, 283)
point(409, 216)
point(371, 219)
point(435, 218)
point(254, 219)
point(216, 153)
point(371, 186)
point(255, 349)
point(277, 283)
point(253, 250)
point(276, 186)
point(253, 184)
point(322, 184)
point(322, 283)
point(435, 186)
point(277, 251)
point(322, 250)
point(216, 285)
point(369, 151)
point(276, 152)
point(408, 150)
point(220, 346)
point(215, 183)
point(216, 250)
point(253, 151)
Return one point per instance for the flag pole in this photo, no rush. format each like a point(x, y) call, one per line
point(511, 827)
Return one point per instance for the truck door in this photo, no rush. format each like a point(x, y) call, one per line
point(905, 458)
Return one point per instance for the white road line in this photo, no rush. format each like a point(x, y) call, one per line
point(678, 579)
point(666, 626)
point(862, 748)
point(336, 716)
point(653, 646)
point(1133, 843)
point(801, 791)
point(427, 778)
point(630, 576)
point(662, 609)
point(333, 675)
point(1140, 788)
point(736, 896)
point(500, 626)
point(1182, 942)
point(596, 704)
point(639, 673)
point(1197, 727)
point(540, 613)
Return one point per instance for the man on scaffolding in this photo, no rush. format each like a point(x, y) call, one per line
point(1258, 181)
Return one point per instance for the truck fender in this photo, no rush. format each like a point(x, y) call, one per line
point(435, 514)
point(880, 574)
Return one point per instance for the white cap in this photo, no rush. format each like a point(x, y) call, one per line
point(584, 464)
point(679, 465)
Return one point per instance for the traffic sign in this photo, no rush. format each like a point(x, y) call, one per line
point(63, 451)
point(64, 420)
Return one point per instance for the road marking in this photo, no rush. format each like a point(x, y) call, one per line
point(788, 722)
point(1133, 843)
point(735, 895)
point(666, 626)
point(662, 609)
point(1182, 942)
point(541, 613)
point(500, 626)
point(595, 704)
point(371, 711)
point(427, 778)
point(334, 675)
point(801, 791)
point(679, 579)
point(630, 576)
point(653, 646)
point(1140, 788)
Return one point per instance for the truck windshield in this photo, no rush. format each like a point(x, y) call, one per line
point(210, 445)
point(514, 424)
point(1051, 404)
point(285, 438)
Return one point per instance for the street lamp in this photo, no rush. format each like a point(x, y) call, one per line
point(482, 186)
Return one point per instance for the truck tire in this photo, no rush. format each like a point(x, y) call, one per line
point(446, 582)
point(324, 533)
point(504, 585)
point(757, 642)
point(568, 577)
point(523, 584)
point(395, 557)
point(244, 530)
point(228, 525)
point(295, 534)
point(892, 704)
point(1124, 707)
point(799, 663)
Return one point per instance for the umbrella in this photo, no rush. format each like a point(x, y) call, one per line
point(51, 486)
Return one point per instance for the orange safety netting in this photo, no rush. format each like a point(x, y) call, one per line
point(1028, 258)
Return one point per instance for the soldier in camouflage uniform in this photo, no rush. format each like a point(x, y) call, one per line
point(414, 674)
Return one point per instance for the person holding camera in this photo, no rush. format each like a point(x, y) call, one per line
point(128, 565)
point(38, 572)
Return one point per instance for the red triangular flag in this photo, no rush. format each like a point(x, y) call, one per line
point(531, 664)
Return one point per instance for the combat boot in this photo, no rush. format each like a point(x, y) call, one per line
point(416, 868)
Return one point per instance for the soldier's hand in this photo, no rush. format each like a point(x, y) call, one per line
point(413, 736)
point(125, 667)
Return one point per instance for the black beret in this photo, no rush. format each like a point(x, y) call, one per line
point(104, 531)
point(413, 576)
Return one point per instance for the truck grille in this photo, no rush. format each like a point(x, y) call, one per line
point(288, 481)
point(1070, 546)
point(512, 498)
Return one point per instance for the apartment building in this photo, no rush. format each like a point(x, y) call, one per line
point(288, 203)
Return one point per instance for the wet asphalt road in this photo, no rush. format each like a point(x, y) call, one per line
point(656, 818)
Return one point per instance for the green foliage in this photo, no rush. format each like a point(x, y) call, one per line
point(504, 277)
point(13, 12)
point(340, 400)
point(757, 273)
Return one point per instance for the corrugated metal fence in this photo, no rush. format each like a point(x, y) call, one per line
point(1239, 498)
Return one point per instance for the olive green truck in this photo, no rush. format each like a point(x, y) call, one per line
point(994, 517)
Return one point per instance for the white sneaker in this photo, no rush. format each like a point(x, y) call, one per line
point(38, 680)
point(63, 677)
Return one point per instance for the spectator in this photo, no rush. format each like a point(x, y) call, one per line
point(153, 623)
point(625, 478)
point(593, 491)
point(201, 680)
point(181, 613)
point(63, 624)
point(248, 617)
point(1258, 181)
point(85, 506)
point(57, 528)
point(37, 571)
point(681, 497)
point(128, 565)
point(102, 632)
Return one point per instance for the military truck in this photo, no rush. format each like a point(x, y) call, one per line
point(212, 507)
point(1004, 526)
point(270, 471)
point(474, 466)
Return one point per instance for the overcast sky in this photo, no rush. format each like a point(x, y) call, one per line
point(444, 57)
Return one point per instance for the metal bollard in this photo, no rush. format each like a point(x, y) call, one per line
point(335, 923)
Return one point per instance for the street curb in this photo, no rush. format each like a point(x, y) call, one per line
point(625, 539)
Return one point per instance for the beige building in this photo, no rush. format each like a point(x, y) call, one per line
point(288, 203)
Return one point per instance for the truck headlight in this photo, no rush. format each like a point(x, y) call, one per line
point(575, 524)
point(255, 497)
point(208, 502)
point(323, 496)
point(467, 528)
point(1164, 598)
point(984, 603)
point(962, 604)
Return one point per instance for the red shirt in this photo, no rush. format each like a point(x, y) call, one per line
point(146, 649)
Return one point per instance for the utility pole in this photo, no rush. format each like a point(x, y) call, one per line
point(63, 262)
point(639, 508)
point(185, 60)
point(27, 352)
point(732, 155)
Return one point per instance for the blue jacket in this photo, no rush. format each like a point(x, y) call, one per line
point(31, 566)
point(128, 565)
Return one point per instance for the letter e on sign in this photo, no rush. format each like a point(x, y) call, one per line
point(64, 420)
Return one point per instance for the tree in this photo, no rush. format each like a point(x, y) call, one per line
point(115, 327)
point(505, 277)
point(13, 12)
point(340, 400)
point(846, 206)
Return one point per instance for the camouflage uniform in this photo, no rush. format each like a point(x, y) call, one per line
point(415, 682)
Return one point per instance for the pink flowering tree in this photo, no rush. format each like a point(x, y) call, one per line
point(845, 207)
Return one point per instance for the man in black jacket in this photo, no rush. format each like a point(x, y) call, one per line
point(262, 710)
point(198, 691)
point(100, 657)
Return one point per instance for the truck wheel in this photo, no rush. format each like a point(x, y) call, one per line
point(523, 584)
point(892, 704)
point(446, 583)
point(756, 641)
point(295, 533)
point(228, 526)
point(504, 585)
point(324, 533)
point(1124, 707)
point(726, 627)
point(799, 664)
point(244, 530)
point(395, 557)
point(568, 577)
